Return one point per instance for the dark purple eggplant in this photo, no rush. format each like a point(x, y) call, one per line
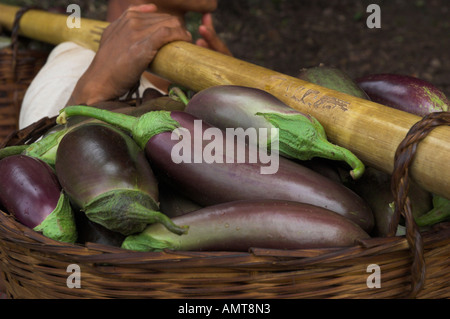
point(403, 92)
point(226, 178)
point(172, 202)
point(107, 176)
point(329, 169)
point(241, 225)
point(30, 191)
point(300, 135)
point(332, 78)
point(90, 232)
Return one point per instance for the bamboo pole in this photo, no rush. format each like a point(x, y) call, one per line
point(52, 27)
point(372, 131)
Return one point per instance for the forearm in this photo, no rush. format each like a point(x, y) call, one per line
point(86, 92)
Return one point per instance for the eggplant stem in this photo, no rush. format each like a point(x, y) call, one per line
point(45, 149)
point(142, 128)
point(439, 213)
point(12, 150)
point(302, 137)
point(152, 216)
point(123, 121)
point(177, 94)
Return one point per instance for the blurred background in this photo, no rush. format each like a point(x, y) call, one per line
point(288, 35)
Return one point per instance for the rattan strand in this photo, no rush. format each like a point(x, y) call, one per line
point(18, 67)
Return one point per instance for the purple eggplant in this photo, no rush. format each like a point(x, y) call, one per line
point(31, 192)
point(107, 176)
point(241, 225)
point(173, 203)
point(403, 92)
point(90, 232)
point(301, 136)
point(226, 178)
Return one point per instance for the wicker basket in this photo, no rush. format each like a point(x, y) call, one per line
point(18, 67)
point(415, 265)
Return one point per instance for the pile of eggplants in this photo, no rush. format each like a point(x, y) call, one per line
point(227, 180)
point(405, 93)
point(113, 171)
point(37, 196)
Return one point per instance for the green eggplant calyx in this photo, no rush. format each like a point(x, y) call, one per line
point(45, 149)
point(60, 224)
point(439, 213)
point(151, 124)
point(145, 242)
point(12, 150)
point(127, 211)
point(303, 137)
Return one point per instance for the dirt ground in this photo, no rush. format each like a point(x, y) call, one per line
point(287, 35)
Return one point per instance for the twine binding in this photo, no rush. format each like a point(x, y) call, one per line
point(404, 157)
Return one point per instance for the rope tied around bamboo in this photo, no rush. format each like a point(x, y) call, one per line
point(403, 159)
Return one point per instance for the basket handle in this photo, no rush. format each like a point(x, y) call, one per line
point(404, 156)
point(15, 33)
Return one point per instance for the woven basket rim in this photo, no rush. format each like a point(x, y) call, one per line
point(90, 252)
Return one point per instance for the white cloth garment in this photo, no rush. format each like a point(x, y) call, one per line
point(50, 90)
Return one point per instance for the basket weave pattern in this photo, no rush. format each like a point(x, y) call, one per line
point(34, 266)
point(18, 67)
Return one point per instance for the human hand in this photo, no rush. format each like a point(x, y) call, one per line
point(127, 47)
point(209, 39)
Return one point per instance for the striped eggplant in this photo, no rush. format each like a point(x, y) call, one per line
point(404, 92)
point(241, 225)
point(107, 176)
point(31, 192)
point(225, 178)
point(301, 136)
